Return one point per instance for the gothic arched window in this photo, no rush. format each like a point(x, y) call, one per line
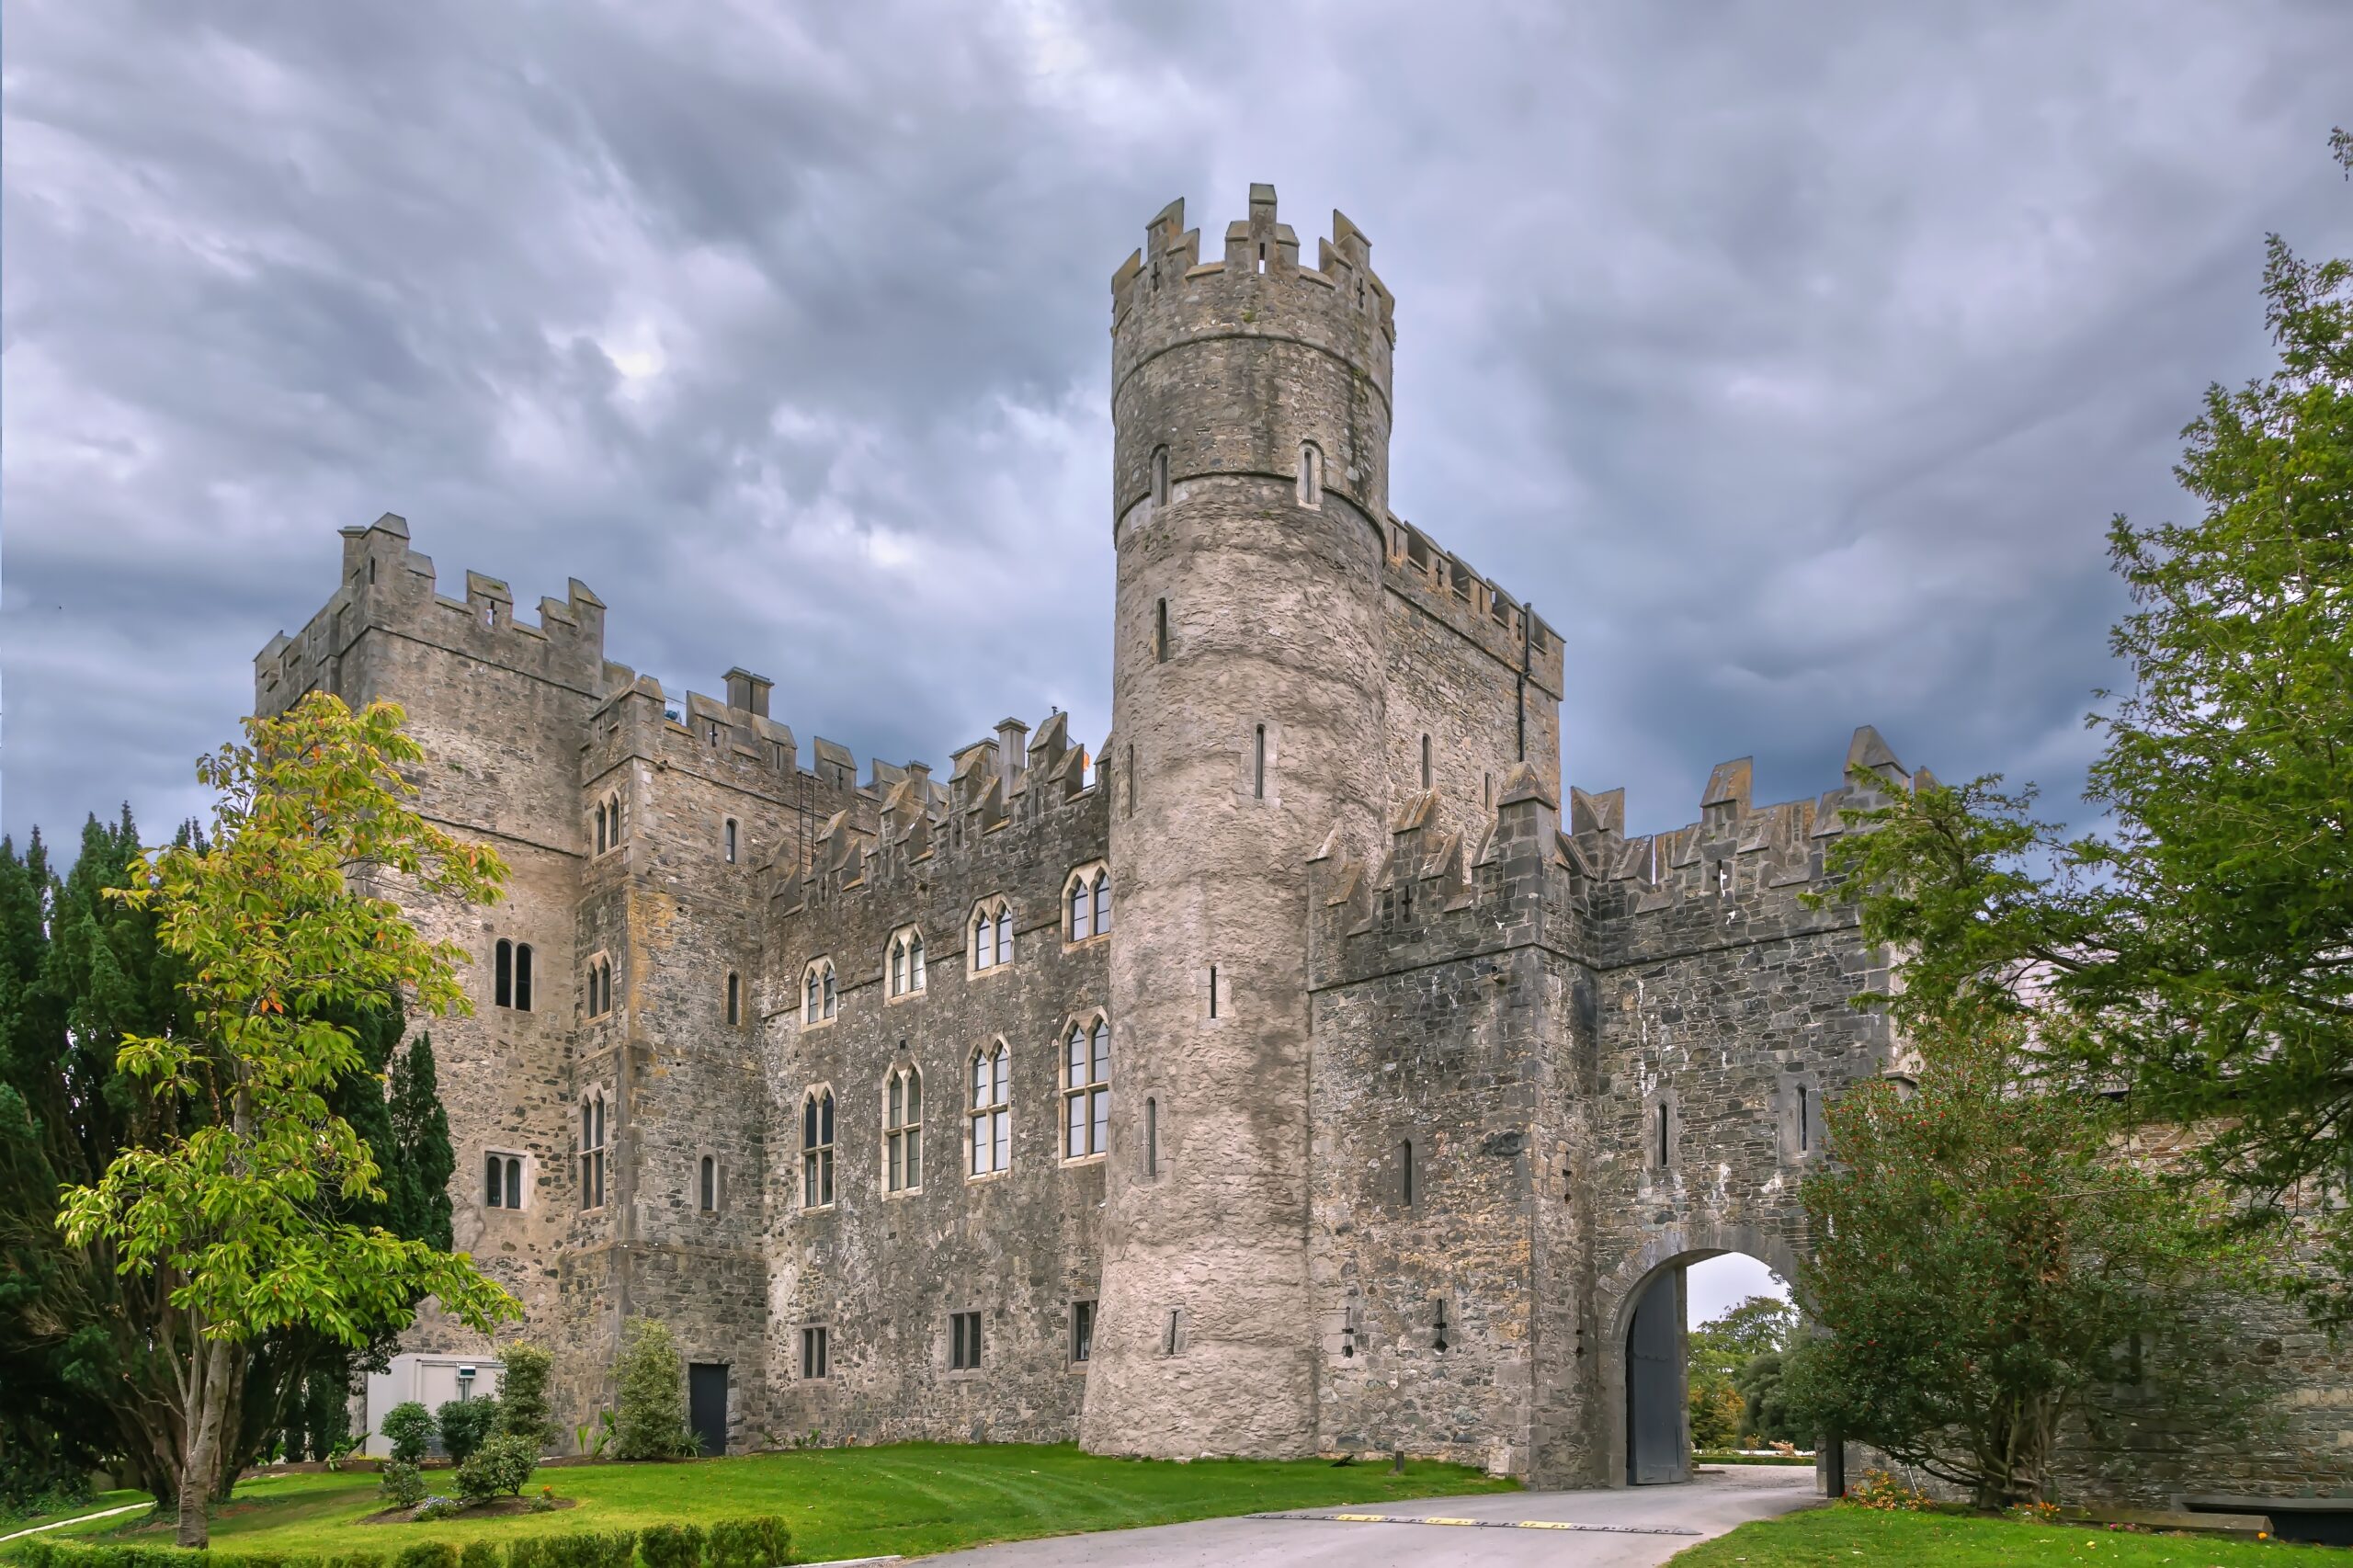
point(592, 1151)
point(1087, 1088)
point(992, 943)
point(988, 1108)
point(817, 1149)
point(819, 998)
point(1086, 902)
point(903, 1131)
point(903, 965)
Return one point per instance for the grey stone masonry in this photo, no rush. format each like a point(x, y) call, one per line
point(1290, 1077)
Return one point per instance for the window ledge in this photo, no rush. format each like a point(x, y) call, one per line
point(971, 974)
point(1071, 944)
point(972, 1177)
point(1070, 1161)
point(915, 995)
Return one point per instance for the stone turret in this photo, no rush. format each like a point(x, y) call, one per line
point(1251, 405)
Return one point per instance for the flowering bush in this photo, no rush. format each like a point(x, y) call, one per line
point(1882, 1491)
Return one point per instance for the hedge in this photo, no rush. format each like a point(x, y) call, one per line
point(758, 1543)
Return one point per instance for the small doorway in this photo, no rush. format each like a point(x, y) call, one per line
point(1655, 1399)
point(707, 1404)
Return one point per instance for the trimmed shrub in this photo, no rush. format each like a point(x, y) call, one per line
point(427, 1555)
point(528, 1551)
point(478, 1554)
point(464, 1422)
point(408, 1427)
point(591, 1548)
point(137, 1557)
point(762, 1542)
point(671, 1546)
point(651, 1420)
point(503, 1464)
point(402, 1481)
point(523, 1409)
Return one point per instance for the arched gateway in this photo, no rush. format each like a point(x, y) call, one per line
point(1609, 1056)
point(1646, 1303)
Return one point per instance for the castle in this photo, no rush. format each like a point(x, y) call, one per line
point(1289, 1076)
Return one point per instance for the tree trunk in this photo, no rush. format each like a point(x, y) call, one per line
point(199, 1468)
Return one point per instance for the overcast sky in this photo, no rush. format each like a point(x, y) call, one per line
point(1791, 358)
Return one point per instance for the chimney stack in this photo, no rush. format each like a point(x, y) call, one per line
point(1012, 745)
point(748, 691)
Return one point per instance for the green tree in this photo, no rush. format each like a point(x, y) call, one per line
point(2199, 951)
point(1765, 1409)
point(78, 971)
point(523, 1408)
point(408, 1428)
point(464, 1422)
point(651, 1422)
point(281, 920)
point(299, 1383)
point(1714, 1355)
point(417, 1188)
point(78, 1341)
point(1986, 1249)
point(1715, 1409)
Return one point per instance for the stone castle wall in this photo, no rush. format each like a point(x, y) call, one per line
point(1454, 650)
point(1607, 1055)
point(881, 1271)
point(497, 705)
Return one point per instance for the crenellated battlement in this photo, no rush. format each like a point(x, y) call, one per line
point(1256, 247)
point(1450, 589)
point(922, 829)
point(388, 586)
point(1736, 848)
point(1438, 892)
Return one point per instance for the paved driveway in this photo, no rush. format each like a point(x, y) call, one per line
point(1639, 1516)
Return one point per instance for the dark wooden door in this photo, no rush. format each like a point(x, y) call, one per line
point(707, 1404)
point(1655, 1388)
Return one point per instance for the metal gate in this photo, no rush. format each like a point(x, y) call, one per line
point(707, 1404)
point(1655, 1450)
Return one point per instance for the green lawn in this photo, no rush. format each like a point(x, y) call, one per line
point(910, 1498)
point(1848, 1537)
point(98, 1504)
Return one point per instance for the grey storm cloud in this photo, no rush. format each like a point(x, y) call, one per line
point(1791, 359)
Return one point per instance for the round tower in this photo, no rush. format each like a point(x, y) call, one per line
point(1250, 401)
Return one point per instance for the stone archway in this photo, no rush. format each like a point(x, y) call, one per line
point(1642, 1303)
